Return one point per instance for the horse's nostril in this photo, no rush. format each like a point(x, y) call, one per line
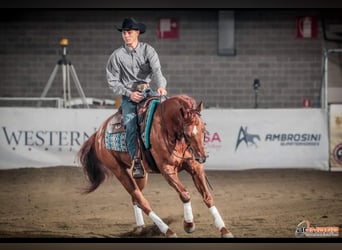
point(201, 159)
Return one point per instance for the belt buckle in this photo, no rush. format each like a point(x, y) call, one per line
point(142, 87)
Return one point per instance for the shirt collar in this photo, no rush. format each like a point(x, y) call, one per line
point(129, 51)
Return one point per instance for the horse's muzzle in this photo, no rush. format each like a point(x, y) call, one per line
point(201, 159)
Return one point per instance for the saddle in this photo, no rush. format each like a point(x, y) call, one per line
point(116, 125)
point(115, 136)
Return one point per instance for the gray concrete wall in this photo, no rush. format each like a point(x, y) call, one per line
point(289, 68)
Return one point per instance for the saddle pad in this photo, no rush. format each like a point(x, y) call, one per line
point(116, 141)
point(145, 134)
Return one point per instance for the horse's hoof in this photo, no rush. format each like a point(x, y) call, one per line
point(225, 233)
point(170, 234)
point(138, 230)
point(228, 235)
point(189, 227)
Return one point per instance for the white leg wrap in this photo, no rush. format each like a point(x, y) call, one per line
point(160, 224)
point(217, 217)
point(188, 216)
point(138, 215)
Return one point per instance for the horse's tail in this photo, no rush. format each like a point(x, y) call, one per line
point(92, 166)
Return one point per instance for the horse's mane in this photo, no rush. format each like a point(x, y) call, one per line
point(188, 106)
point(187, 101)
point(178, 111)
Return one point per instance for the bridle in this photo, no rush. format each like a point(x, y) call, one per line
point(181, 134)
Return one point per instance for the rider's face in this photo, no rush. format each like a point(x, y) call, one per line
point(130, 37)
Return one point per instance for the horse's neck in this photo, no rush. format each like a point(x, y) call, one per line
point(170, 116)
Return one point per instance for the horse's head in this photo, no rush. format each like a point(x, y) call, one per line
point(194, 132)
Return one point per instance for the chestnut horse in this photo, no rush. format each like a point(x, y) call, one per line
point(177, 143)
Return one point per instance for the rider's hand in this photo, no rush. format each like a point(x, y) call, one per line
point(136, 96)
point(162, 91)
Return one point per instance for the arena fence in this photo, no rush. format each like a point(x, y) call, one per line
point(235, 139)
point(56, 102)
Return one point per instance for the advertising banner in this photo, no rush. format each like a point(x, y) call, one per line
point(31, 137)
point(336, 137)
point(266, 138)
point(235, 139)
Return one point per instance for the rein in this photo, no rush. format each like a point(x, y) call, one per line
point(182, 134)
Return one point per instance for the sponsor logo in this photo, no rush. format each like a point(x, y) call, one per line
point(295, 139)
point(46, 139)
point(304, 229)
point(338, 153)
point(247, 138)
point(283, 139)
point(212, 140)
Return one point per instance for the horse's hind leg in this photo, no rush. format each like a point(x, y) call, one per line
point(132, 188)
point(138, 213)
point(198, 175)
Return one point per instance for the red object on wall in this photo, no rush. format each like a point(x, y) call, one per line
point(307, 103)
point(306, 27)
point(168, 28)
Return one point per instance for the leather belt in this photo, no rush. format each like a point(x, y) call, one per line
point(140, 86)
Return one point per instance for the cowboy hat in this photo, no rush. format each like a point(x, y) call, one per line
point(131, 24)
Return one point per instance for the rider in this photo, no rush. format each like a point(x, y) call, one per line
point(132, 65)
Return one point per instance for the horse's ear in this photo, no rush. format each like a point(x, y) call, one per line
point(200, 107)
point(182, 110)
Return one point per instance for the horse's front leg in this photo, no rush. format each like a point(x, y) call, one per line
point(171, 177)
point(198, 175)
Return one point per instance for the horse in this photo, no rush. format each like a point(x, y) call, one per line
point(177, 143)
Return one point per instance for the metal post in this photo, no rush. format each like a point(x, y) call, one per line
point(78, 86)
point(49, 82)
point(326, 80)
point(64, 84)
point(68, 85)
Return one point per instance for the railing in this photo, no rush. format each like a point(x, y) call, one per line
point(31, 102)
point(56, 102)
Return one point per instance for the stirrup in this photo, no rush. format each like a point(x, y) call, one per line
point(137, 170)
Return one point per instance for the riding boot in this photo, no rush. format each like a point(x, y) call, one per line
point(137, 168)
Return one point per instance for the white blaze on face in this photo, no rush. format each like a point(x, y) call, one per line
point(194, 130)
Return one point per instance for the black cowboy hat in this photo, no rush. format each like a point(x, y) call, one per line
point(131, 24)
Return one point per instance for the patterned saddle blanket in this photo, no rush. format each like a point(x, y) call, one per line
point(115, 135)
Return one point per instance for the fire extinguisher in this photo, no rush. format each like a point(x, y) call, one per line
point(307, 103)
point(305, 27)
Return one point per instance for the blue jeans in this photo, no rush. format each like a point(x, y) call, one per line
point(129, 114)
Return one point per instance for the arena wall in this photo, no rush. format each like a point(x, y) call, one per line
point(266, 47)
point(235, 139)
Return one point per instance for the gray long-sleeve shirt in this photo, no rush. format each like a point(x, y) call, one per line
point(127, 66)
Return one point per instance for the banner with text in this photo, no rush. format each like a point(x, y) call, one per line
point(40, 137)
point(267, 138)
point(235, 139)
